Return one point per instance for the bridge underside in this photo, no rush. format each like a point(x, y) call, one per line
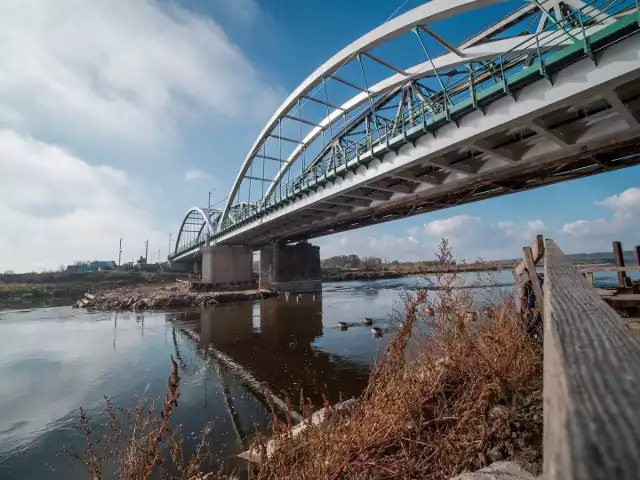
point(311, 225)
point(594, 133)
point(549, 93)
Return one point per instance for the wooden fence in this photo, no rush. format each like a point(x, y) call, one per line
point(591, 374)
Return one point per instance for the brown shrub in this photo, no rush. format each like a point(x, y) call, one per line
point(453, 392)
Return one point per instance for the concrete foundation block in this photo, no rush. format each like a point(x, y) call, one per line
point(227, 265)
point(291, 268)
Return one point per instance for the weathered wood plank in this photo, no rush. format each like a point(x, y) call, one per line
point(618, 257)
point(626, 297)
point(590, 278)
point(630, 268)
point(537, 248)
point(591, 380)
point(533, 275)
point(606, 293)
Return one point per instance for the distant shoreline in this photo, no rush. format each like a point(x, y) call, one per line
point(37, 290)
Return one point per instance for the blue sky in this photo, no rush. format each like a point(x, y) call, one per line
point(116, 116)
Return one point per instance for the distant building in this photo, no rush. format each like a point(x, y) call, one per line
point(93, 266)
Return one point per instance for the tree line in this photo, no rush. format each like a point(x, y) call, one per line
point(371, 263)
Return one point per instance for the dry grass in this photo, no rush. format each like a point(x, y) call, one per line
point(139, 444)
point(453, 391)
point(469, 393)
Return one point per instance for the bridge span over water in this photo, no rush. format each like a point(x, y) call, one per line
point(412, 118)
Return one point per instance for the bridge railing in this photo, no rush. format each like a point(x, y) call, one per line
point(591, 379)
point(484, 82)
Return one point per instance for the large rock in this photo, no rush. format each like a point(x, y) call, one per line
point(498, 471)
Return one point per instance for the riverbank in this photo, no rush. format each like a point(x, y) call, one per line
point(121, 290)
point(33, 290)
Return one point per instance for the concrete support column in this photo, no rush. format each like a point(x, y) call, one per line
point(291, 268)
point(196, 266)
point(227, 266)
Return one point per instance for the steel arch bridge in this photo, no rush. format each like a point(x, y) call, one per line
point(411, 118)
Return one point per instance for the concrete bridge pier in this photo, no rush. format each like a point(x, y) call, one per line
point(196, 266)
point(228, 266)
point(291, 268)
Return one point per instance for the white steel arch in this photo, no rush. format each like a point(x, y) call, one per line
point(192, 214)
point(478, 48)
point(432, 11)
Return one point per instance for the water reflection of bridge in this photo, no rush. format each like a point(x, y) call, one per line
point(273, 341)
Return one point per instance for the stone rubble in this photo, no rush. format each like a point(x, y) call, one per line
point(501, 470)
point(163, 296)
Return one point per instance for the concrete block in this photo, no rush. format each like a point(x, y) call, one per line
point(291, 268)
point(226, 264)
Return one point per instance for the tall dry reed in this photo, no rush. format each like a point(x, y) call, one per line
point(140, 443)
point(459, 386)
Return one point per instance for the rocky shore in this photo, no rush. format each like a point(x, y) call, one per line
point(163, 296)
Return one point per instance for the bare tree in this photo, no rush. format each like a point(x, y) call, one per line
point(371, 263)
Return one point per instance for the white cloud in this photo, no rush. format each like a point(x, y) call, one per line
point(624, 204)
point(195, 175)
point(506, 227)
point(105, 77)
point(624, 207)
point(469, 236)
point(55, 208)
point(597, 234)
point(120, 68)
point(451, 226)
point(244, 11)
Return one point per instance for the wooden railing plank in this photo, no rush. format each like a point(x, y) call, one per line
point(591, 380)
point(537, 248)
point(630, 268)
point(537, 251)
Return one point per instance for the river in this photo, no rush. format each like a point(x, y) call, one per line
point(54, 360)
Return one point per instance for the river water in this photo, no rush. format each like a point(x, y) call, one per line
point(231, 357)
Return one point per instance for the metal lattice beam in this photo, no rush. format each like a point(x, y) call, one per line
point(415, 100)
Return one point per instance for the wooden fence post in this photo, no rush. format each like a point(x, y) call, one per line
point(618, 257)
point(529, 261)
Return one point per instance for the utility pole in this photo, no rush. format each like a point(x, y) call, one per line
point(209, 208)
point(169, 244)
point(146, 251)
point(120, 253)
point(158, 256)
